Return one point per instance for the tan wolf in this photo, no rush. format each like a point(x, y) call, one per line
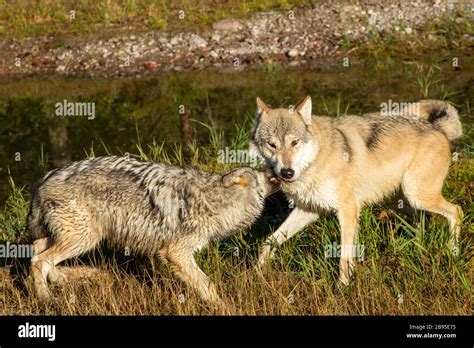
point(344, 163)
point(151, 208)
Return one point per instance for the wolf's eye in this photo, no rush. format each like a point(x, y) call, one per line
point(294, 142)
point(272, 145)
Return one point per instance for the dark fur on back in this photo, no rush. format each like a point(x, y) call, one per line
point(146, 207)
point(124, 197)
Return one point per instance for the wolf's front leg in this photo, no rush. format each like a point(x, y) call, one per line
point(348, 220)
point(186, 268)
point(295, 222)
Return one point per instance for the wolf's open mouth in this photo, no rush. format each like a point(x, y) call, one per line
point(274, 180)
point(285, 180)
point(271, 176)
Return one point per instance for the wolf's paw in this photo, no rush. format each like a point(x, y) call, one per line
point(265, 256)
point(57, 276)
point(344, 280)
point(44, 295)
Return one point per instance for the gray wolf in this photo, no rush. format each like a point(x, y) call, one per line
point(150, 208)
point(346, 162)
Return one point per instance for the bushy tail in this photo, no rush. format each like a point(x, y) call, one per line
point(443, 116)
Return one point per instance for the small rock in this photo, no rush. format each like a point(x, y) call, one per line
point(174, 41)
point(150, 65)
point(197, 42)
point(468, 37)
point(292, 53)
point(133, 37)
point(151, 42)
point(373, 19)
point(280, 57)
point(348, 8)
point(47, 60)
point(408, 30)
point(214, 54)
point(255, 32)
point(229, 24)
point(60, 68)
point(216, 37)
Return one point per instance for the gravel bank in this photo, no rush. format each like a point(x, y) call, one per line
point(301, 36)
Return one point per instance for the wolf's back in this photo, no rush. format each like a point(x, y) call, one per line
point(443, 116)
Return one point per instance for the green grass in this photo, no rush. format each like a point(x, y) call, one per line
point(405, 257)
point(28, 18)
point(407, 268)
point(443, 37)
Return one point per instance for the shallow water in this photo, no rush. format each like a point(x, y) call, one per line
point(127, 112)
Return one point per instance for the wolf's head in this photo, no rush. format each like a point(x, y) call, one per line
point(283, 139)
point(263, 182)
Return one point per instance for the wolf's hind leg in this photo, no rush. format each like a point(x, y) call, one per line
point(41, 245)
point(71, 238)
point(450, 211)
point(424, 192)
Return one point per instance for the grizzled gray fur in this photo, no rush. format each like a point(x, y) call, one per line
point(148, 207)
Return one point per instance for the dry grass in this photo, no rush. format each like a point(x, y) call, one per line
point(407, 268)
point(153, 290)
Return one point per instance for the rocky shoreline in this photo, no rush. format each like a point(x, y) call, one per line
point(298, 37)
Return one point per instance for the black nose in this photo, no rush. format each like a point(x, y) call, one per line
point(287, 173)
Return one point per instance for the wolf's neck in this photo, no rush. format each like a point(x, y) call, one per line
point(322, 130)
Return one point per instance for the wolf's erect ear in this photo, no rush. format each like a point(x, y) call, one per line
point(241, 176)
point(261, 106)
point(305, 109)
